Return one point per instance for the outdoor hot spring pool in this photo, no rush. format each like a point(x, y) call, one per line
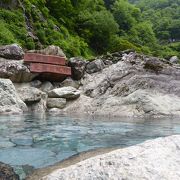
point(36, 141)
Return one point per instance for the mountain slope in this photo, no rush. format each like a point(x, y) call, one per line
point(82, 28)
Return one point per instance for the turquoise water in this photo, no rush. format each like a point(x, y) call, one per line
point(35, 141)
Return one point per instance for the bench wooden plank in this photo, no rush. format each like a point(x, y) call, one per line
point(47, 59)
point(49, 68)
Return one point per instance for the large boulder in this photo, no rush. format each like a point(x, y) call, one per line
point(13, 51)
point(153, 64)
point(34, 98)
point(70, 82)
point(39, 107)
point(174, 59)
point(10, 101)
point(56, 103)
point(30, 95)
point(50, 50)
point(77, 65)
point(64, 92)
point(7, 172)
point(151, 160)
point(16, 71)
point(46, 86)
point(95, 66)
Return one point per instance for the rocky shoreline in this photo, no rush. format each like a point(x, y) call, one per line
point(153, 159)
point(39, 173)
point(119, 84)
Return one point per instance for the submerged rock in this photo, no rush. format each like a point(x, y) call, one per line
point(7, 172)
point(64, 92)
point(13, 51)
point(10, 101)
point(36, 157)
point(5, 143)
point(22, 140)
point(151, 160)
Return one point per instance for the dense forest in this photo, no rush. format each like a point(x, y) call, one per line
point(90, 27)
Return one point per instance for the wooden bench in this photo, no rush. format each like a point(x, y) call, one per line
point(50, 67)
point(45, 59)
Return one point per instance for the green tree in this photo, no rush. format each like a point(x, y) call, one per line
point(99, 26)
point(142, 34)
point(125, 14)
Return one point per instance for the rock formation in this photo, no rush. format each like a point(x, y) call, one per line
point(15, 70)
point(151, 160)
point(78, 67)
point(50, 50)
point(7, 172)
point(10, 101)
point(13, 51)
point(64, 92)
point(130, 85)
point(118, 84)
point(56, 103)
point(30, 95)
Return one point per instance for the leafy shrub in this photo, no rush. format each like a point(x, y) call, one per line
point(120, 44)
point(6, 36)
point(12, 27)
point(30, 44)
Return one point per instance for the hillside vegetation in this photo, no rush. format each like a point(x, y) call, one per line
point(90, 27)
